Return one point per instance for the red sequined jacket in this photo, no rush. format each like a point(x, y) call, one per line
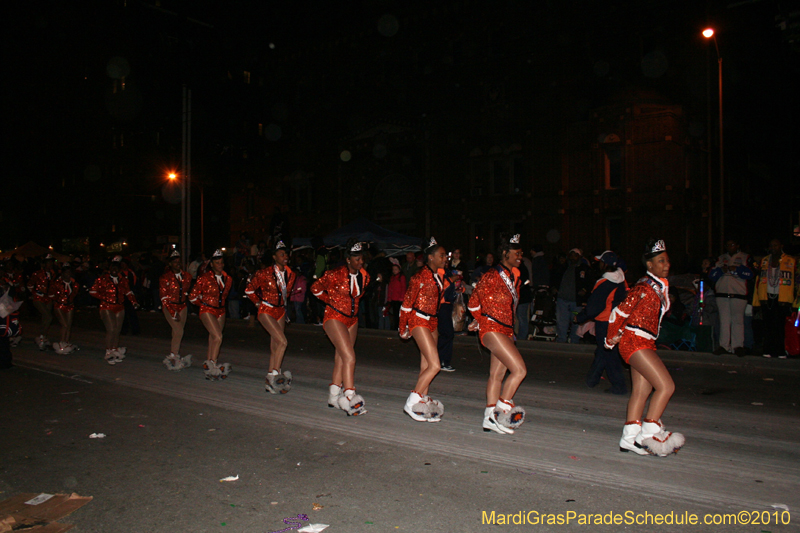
point(63, 293)
point(493, 300)
point(207, 291)
point(264, 287)
point(39, 284)
point(423, 295)
point(112, 294)
point(336, 289)
point(174, 290)
point(642, 310)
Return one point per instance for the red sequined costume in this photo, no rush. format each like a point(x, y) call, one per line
point(422, 299)
point(173, 289)
point(63, 294)
point(493, 303)
point(341, 292)
point(39, 285)
point(112, 294)
point(265, 290)
point(639, 316)
point(211, 292)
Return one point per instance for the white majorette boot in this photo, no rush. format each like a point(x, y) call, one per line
point(283, 381)
point(435, 409)
point(224, 370)
point(491, 424)
point(657, 440)
point(334, 393)
point(508, 415)
point(112, 357)
point(269, 383)
point(211, 371)
point(42, 342)
point(122, 351)
point(627, 443)
point(172, 362)
point(67, 348)
point(416, 407)
point(57, 348)
point(352, 403)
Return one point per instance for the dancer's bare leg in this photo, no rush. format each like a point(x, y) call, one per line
point(214, 326)
point(429, 355)
point(648, 374)
point(505, 357)
point(177, 328)
point(277, 339)
point(344, 363)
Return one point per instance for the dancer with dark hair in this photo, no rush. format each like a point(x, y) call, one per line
point(418, 319)
point(493, 305)
point(635, 325)
point(341, 290)
point(173, 289)
point(39, 285)
point(111, 289)
point(62, 293)
point(269, 290)
point(210, 293)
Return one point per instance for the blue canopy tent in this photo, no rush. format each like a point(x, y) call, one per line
point(362, 229)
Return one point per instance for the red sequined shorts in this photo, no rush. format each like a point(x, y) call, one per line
point(631, 343)
point(174, 309)
point(416, 321)
point(487, 326)
point(332, 314)
point(114, 308)
point(212, 311)
point(275, 312)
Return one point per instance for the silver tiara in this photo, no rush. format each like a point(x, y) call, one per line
point(514, 239)
point(279, 246)
point(432, 243)
point(659, 246)
point(356, 247)
point(117, 259)
point(217, 254)
point(174, 254)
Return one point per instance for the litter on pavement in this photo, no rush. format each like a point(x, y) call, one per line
point(230, 478)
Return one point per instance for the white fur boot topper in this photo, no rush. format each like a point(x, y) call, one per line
point(269, 384)
point(435, 409)
point(171, 362)
point(627, 443)
point(224, 370)
point(658, 441)
point(284, 382)
point(509, 415)
point(211, 371)
point(490, 424)
point(352, 403)
point(186, 361)
point(416, 407)
point(334, 393)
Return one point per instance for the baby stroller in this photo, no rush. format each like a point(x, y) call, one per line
point(543, 316)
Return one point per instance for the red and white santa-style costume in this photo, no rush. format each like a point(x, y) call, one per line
point(173, 289)
point(210, 293)
point(341, 292)
point(269, 290)
point(13, 326)
point(638, 319)
point(39, 285)
point(62, 293)
point(419, 310)
point(112, 290)
point(493, 305)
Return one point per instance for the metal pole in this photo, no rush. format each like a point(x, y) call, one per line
point(202, 221)
point(708, 155)
point(721, 160)
point(183, 178)
point(189, 175)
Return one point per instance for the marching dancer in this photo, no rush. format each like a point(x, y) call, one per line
point(173, 288)
point(418, 319)
point(635, 325)
point(493, 304)
point(39, 285)
point(341, 290)
point(62, 293)
point(269, 290)
point(111, 289)
point(210, 293)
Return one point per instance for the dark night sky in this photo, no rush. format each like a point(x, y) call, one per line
point(339, 66)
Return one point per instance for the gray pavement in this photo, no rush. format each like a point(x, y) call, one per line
point(172, 436)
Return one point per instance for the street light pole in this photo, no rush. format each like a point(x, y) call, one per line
point(186, 166)
point(708, 33)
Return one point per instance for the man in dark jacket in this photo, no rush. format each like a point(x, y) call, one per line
point(571, 283)
point(608, 292)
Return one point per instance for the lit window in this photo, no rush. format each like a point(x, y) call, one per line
point(247, 77)
point(260, 130)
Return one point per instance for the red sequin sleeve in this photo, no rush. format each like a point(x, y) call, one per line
point(254, 287)
point(412, 291)
point(619, 315)
point(126, 289)
point(196, 296)
point(320, 287)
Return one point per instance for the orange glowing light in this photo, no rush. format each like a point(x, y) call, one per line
point(708, 33)
point(172, 176)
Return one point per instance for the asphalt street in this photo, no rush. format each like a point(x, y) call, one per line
point(171, 437)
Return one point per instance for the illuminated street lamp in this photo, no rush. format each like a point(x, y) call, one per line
point(708, 33)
